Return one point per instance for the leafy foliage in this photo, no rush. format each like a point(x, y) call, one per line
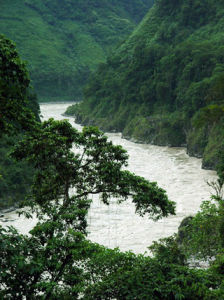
point(96, 170)
point(19, 111)
point(202, 235)
point(168, 70)
point(16, 177)
point(53, 258)
point(63, 40)
point(57, 261)
point(14, 83)
point(116, 275)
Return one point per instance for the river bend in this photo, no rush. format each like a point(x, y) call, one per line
point(118, 225)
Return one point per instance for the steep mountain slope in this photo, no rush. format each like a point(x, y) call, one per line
point(63, 40)
point(165, 83)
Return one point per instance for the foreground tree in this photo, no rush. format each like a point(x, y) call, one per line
point(70, 167)
point(117, 275)
point(56, 261)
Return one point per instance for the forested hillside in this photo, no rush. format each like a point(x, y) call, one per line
point(63, 40)
point(56, 260)
point(18, 109)
point(165, 83)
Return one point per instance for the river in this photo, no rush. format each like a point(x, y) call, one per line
point(118, 225)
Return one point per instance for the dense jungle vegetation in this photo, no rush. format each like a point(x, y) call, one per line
point(64, 39)
point(56, 260)
point(165, 84)
point(16, 102)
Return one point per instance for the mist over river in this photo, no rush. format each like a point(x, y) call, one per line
point(118, 225)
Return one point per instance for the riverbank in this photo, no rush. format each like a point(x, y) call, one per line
point(162, 132)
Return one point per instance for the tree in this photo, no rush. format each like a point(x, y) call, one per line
point(201, 236)
point(14, 89)
point(56, 261)
point(19, 111)
point(51, 260)
point(117, 275)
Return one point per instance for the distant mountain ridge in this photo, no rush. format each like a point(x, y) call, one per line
point(64, 39)
point(165, 84)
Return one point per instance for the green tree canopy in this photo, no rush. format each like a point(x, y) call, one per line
point(51, 259)
point(14, 89)
point(19, 111)
point(56, 261)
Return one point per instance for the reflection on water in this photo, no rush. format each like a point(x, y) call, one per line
point(118, 225)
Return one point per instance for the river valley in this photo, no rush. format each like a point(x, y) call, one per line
point(118, 225)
